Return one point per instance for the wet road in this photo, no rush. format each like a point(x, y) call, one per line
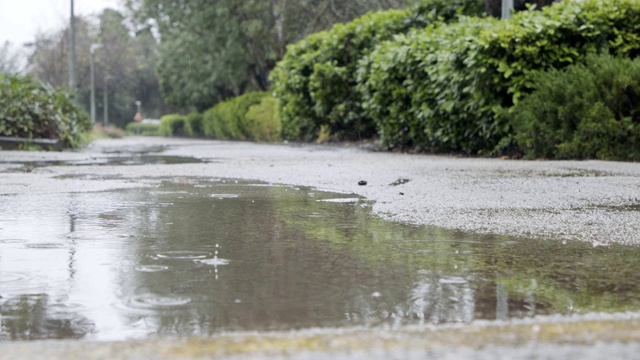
point(592, 201)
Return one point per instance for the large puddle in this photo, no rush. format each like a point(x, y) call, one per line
point(198, 257)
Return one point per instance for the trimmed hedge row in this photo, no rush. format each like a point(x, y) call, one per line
point(315, 83)
point(35, 110)
point(583, 111)
point(252, 116)
point(227, 120)
point(137, 128)
point(446, 88)
point(172, 125)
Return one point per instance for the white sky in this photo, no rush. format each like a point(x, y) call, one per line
point(21, 20)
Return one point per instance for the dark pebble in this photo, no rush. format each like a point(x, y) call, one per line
point(362, 183)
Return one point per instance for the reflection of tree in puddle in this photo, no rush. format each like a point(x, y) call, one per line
point(33, 317)
point(177, 260)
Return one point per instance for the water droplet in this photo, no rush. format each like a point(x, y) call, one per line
point(536, 328)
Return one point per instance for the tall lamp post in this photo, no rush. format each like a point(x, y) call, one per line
point(92, 50)
point(72, 54)
point(507, 5)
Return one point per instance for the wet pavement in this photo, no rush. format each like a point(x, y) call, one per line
point(143, 238)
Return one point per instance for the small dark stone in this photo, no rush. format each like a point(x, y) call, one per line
point(401, 193)
point(362, 183)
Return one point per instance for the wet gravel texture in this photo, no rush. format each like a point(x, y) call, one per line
point(592, 201)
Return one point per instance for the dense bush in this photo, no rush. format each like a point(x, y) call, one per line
point(315, 83)
point(583, 111)
point(263, 121)
point(143, 129)
point(32, 109)
point(227, 120)
point(172, 125)
point(193, 124)
point(444, 88)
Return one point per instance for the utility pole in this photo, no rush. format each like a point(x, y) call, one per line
point(105, 105)
point(72, 54)
point(92, 50)
point(105, 120)
point(507, 6)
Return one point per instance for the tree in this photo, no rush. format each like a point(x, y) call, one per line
point(123, 66)
point(212, 50)
point(9, 59)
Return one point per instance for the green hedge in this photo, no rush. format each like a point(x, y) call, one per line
point(263, 121)
point(138, 128)
point(173, 125)
point(193, 124)
point(32, 109)
point(584, 111)
point(445, 88)
point(227, 120)
point(315, 83)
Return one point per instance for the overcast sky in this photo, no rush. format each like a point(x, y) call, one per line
point(21, 20)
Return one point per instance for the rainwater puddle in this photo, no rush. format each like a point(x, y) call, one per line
point(128, 159)
point(200, 257)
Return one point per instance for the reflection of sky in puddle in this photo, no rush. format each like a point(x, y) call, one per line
point(197, 257)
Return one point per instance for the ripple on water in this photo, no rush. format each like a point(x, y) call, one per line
point(12, 277)
point(340, 200)
point(45, 246)
point(12, 241)
point(214, 262)
point(151, 301)
point(315, 215)
point(224, 196)
point(14, 283)
point(453, 280)
point(151, 268)
point(183, 255)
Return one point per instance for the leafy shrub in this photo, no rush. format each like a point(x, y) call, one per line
point(227, 120)
point(263, 122)
point(583, 111)
point(316, 81)
point(445, 88)
point(413, 88)
point(143, 129)
point(34, 110)
point(172, 125)
point(193, 124)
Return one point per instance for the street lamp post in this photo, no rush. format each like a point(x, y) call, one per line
point(92, 50)
point(138, 116)
point(72, 54)
point(507, 5)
